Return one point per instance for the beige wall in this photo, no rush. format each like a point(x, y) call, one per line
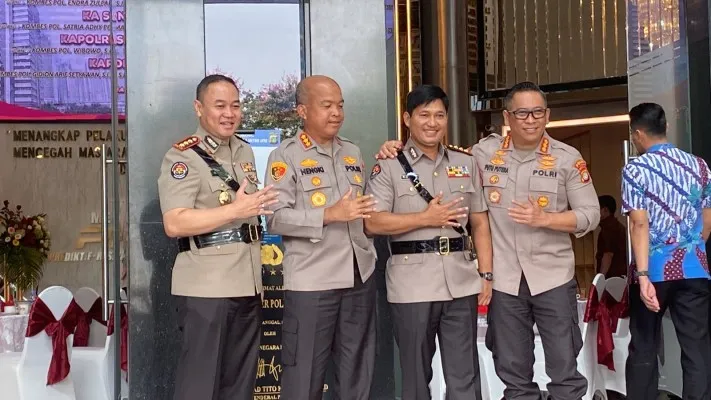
point(66, 185)
point(601, 146)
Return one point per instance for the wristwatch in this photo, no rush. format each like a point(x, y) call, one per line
point(641, 273)
point(487, 275)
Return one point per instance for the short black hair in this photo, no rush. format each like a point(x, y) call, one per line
point(209, 80)
point(609, 202)
point(520, 88)
point(423, 95)
point(649, 118)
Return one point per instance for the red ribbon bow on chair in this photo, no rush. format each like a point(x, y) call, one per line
point(123, 334)
point(81, 335)
point(606, 311)
point(41, 318)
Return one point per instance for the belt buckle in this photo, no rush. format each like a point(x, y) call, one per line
point(443, 245)
point(253, 233)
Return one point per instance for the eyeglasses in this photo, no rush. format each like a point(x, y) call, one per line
point(537, 113)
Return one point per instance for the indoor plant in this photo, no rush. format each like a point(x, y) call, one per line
point(24, 246)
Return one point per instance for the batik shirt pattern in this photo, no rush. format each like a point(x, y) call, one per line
point(673, 187)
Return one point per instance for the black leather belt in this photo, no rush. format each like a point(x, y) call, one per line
point(441, 245)
point(246, 233)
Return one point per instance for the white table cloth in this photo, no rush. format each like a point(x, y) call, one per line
point(12, 332)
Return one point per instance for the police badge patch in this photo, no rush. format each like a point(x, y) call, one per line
point(179, 170)
point(375, 171)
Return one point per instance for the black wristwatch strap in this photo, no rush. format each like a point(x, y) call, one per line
point(487, 276)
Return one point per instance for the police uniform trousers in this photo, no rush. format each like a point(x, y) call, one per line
point(454, 322)
point(220, 347)
point(320, 324)
point(688, 303)
point(510, 338)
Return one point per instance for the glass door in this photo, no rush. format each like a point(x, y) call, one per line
point(114, 214)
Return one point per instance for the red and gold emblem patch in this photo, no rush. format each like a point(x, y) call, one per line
point(179, 170)
point(277, 170)
point(582, 168)
point(375, 171)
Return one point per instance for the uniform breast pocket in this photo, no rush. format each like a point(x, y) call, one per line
point(495, 189)
point(318, 191)
point(462, 187)
point(356, 181)
point(408, 199)
point(544, 192)
point(221, 193)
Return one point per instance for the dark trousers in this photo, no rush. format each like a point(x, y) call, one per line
point(688, 302)
point(220, 348)
point(455, 324)
point(510, 338)
point(321, 324)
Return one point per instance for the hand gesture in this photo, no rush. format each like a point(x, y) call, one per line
point(438, 214)
point(648, 293)
point(251, 205)
point(350, 208)
point(528, 213)
point(389, 150)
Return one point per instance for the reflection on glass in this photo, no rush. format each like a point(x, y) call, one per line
point(259, 46)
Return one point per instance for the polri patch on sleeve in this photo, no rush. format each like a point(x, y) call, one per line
point(375, 171)
point(179, 170)
point(582, 168)
point(277, 170)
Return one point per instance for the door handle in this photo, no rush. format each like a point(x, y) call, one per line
point(105, 161)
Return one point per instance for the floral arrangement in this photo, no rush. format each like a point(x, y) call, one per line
point(24, 246)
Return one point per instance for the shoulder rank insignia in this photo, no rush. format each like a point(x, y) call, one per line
point(305, 140)
point(459, 149)
point(187, 143)
point(507, 142)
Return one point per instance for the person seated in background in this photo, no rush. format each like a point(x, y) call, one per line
point(612, 241)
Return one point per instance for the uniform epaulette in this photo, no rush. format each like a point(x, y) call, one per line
point(493, 136)
point(345, 139)
point(459, 149)
point(187, 143)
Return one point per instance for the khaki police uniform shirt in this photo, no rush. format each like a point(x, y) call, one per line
point(231, 270)
point(424, 277)
point(310, 179)
point(556, 176)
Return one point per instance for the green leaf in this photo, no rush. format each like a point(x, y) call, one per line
point(25, 266)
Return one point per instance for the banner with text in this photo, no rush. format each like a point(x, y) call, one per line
point(268, 385)
point(55, 60)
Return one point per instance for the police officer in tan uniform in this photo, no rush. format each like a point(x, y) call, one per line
point(329, 298)
point(530, 181)
point(210, 202)
point(425, 198)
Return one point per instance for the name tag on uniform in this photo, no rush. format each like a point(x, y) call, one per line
point(353, 168)
point(545, 172)
point(312, 170)
point(458, 171)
